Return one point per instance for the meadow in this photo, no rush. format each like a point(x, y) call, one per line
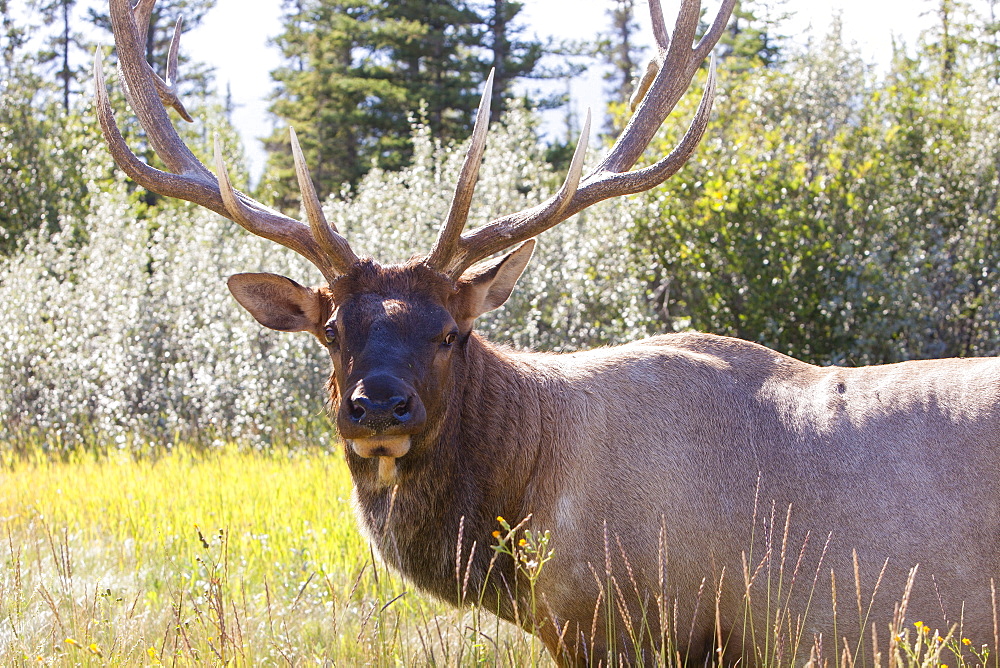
point(223, 556)
point(238, 555)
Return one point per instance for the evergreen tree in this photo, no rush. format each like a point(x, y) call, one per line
point(512, 57)
point(430, 46)
point(358, 70)
point(620, 50)
point(12, 40)
point(953, 38)
point(621, 53)
point(327, 91)
point(41, 143)
point(753, 36)
point(59, 47)
point(989, 43)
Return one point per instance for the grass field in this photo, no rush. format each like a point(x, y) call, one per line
point(235, 556)
point(224, 556)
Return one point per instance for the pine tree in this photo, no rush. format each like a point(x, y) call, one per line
point(430, 45)
point(620, 50)
point(752, 38)
point(357, 71)
point(12, 40)
point(512, 56)
point(42, 144)
point(59, 47)
point(326, 91)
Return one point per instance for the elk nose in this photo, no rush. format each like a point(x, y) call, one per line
point(380, 415)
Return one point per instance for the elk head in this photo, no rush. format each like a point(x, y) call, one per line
point(393, 331)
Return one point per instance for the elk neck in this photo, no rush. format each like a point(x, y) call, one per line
point(484, 455)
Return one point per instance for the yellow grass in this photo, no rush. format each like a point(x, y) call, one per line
point(242, 557)
point(219, 556)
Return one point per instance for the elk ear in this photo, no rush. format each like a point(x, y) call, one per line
point(487, 285)
point(279, 303)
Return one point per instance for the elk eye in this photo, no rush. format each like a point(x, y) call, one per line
point(450, 339)
point(331, 334)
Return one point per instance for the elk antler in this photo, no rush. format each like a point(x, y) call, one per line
point(664, 83)
point(187, 177)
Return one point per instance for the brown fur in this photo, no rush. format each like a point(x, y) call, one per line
point(659, 465)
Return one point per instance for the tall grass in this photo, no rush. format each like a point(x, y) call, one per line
point(237, 555)
point(211, 556)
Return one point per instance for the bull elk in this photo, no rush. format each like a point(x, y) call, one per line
point(650, 461)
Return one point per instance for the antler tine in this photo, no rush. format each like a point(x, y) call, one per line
point(249, 218)
point(611, 177)
point(680, 62)
point(628, 183)
point(660, 33)
point(711, 37)
point(572, 181)
point(447, 241)
point(142, 12)
point(192, 187)
point(172, 54)
point(334, 245)
point(505, 229)
point(143, 94)
point(188, 178)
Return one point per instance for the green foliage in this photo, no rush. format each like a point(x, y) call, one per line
point(59, 47)
point(41, 145)
point(753, 37)
point(836, 216)
point(829, 213)
point(622, 54)
point(324, 92)
point(431, 48)
point(512, 55)
point(929, 204)
point(47, 129)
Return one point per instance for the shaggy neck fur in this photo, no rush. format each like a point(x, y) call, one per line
point(472, 464)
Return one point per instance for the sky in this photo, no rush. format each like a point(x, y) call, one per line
point(234, 38)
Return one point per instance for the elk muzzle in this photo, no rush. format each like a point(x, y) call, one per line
point(379, 414)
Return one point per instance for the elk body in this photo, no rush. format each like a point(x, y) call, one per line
point(699, 489)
